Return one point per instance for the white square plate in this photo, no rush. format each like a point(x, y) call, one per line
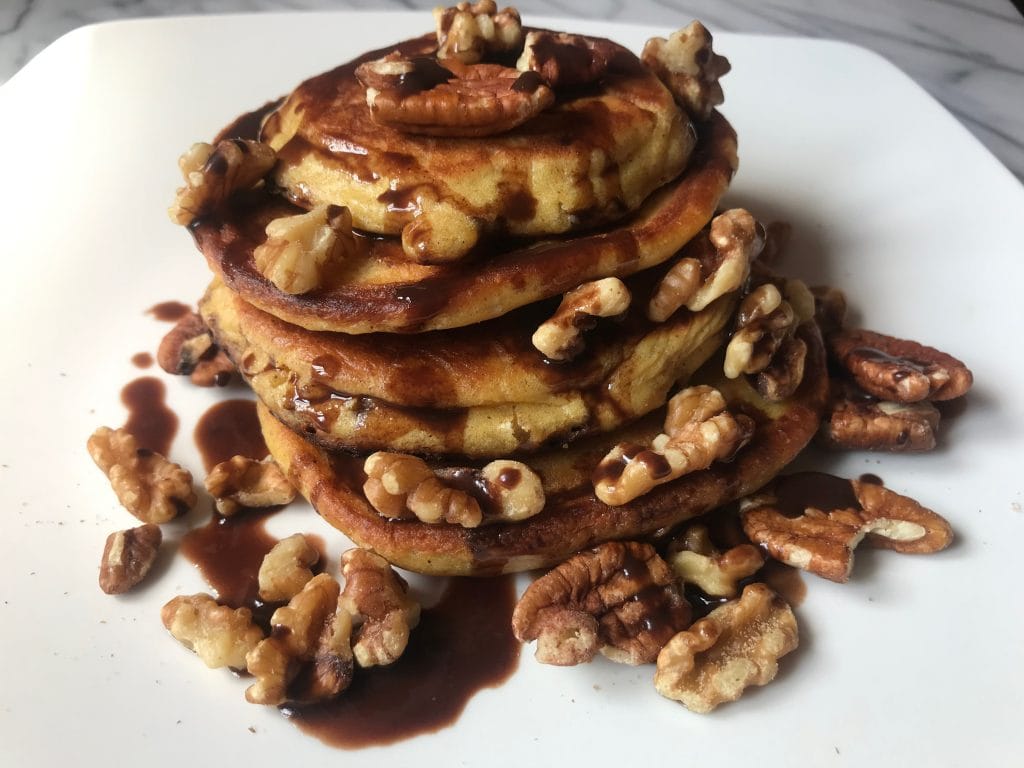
point(917, 661)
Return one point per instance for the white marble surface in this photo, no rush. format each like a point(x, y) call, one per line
point(969, 54)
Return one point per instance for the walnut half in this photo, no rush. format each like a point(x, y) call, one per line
point(737, 645)
point(561, 336)
point(699, 430)
point(214, 173)
point(400, 486)
point(469, 32)
point(300, 251)
point(382, 611)
point(149, 486)
point(689, 68)
point(619, 598)
point(219, 635)
point(242, 482)
point(308, 656)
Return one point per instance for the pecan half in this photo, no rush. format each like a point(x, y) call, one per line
point(477, 100)
point(620, 598)
point(857, 421)
point(814, 521)
point(899, 370)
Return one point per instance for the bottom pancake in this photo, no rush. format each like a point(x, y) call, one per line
point(573, 518)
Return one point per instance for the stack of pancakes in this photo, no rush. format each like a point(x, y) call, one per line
point(420, 341)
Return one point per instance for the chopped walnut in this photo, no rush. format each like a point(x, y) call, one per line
point(689, 68)
point(699, 430)
point(188, 349)
point(127, 557)
point(382, 611)
point(470, 32)
point(184, 345)
point(737, 645)
point(619, 598)
point(855, 420)
point(149, 486)
point(561, 336)
point(301, 250)
point(219, 635)
point(245, 483)
point(453, 99)
point(213, 174)
point(898, 370)
point(562, 59)
point(719, 264)
point(308, 656)
point(829, 308)
point(401, 487)
point(440, 234)
point(785, 372)
point(286, 568)
point(763, 322)
point(822, 540)
point(715, 573)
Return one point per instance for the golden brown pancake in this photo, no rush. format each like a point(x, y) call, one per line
point(382, 290)
point(589, 159)
point(573, 517)
point(482, 390)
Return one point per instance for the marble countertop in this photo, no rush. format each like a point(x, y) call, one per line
point(969, 54)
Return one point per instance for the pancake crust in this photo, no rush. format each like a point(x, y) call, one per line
point(478, 391)
point(381, 290)
point(573, 518)
point(592, 157)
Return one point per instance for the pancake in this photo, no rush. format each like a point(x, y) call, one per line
point(573, 518)
point(594, 156)
point(482, 390)
point(381, 290)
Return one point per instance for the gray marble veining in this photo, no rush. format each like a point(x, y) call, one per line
point(969, 54)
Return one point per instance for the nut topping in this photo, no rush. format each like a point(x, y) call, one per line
point(469, 32)
point(214, 174)
point(737, 645)
point(561, 337)
point(699, 430)
point(403, 487)
point(219, 635)
point(127, 558)
point(440, 234)
point(287, 568)
point(478, 100)
point(784, 373)
point(562, 59)
point(858, 421)
point(715, 573)
point(619, 598)
point(308, 656)
point(188, 350)
point(814, 521)
point(245, 483)
point(719, 265)
point(149, 486)
point(763, 322)
point(300, 251)
point(899, 370)
point(689, 68)
point(382, 611)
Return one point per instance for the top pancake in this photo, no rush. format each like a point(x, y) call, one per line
point(594, 156)
point(382, 290)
